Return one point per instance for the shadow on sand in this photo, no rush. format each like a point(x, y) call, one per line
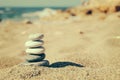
point(64, 64)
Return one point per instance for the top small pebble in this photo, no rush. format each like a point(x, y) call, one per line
point(36, 36)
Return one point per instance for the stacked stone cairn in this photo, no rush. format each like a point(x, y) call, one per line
point(35, 51)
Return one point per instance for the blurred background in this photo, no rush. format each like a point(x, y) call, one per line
point(15, 9)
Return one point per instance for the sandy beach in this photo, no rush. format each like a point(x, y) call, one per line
point(86, 48)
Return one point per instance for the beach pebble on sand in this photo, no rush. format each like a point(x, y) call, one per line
point(41, 63)
point(31, 43)
point(35, 58)
point(35, 50)
point(37, 36)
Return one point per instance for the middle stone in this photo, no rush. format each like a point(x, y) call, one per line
point(35, 50)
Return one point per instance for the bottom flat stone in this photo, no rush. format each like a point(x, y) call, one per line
point(41, 63)
point(35, 58)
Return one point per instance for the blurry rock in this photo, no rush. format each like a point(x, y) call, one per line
point(89, 12)
point(103, 8)
point(117, 8)
point(28, 22)
point(81, 32)
point(73, 14)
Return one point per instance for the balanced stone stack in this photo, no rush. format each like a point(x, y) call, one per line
point(35, 51)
